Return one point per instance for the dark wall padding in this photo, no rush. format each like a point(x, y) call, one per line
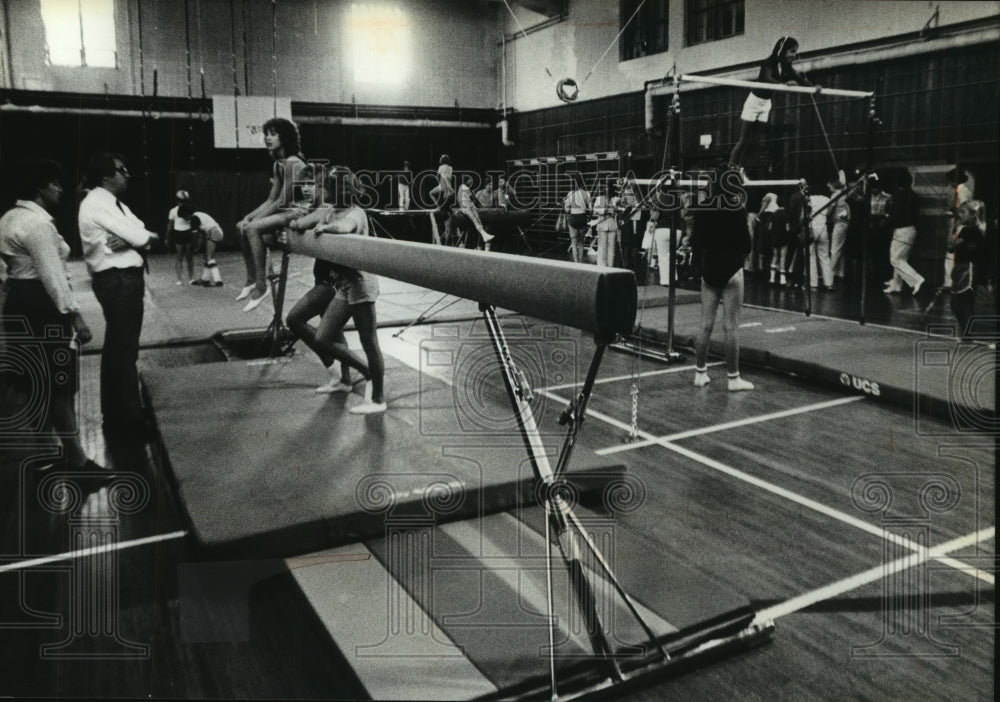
point(496, 216)
point(601, 301)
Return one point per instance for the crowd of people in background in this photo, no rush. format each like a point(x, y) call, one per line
point(837, 236)
point(817, 235)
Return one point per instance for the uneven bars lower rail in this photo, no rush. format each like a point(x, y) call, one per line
point(815, 90)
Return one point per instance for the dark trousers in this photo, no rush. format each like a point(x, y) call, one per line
point(628, 237)
point(41, 362)
point(120, 292)
point(963, 305)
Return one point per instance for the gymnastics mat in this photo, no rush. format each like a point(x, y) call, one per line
point(265, 467)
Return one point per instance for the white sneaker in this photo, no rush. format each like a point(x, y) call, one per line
point(487, 237)
point(701, 379)
point(737, 384)
point(245, 292)
point(369, 406)
point(255, 299)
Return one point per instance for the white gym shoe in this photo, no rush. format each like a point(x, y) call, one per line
point(737, 384)
point(245, 291)
point(256, 297)
point(369, 406)
point(701, 379)
point(487, 237)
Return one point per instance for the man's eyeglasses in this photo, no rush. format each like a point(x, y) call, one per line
point(122, 170)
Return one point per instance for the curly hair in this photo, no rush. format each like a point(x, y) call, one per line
point(287, 132)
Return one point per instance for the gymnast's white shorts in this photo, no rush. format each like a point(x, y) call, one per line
point(756, 109)
point(357, 287)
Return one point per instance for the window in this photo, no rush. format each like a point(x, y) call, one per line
point(647, 32)
point(79, 32)
point(709, 20)
point(378, 42)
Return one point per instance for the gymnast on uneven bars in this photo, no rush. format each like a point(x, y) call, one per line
point(776, 69)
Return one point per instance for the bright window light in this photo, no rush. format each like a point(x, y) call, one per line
point(378, 41)
point(80, 32)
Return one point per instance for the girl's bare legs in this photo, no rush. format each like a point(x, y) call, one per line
point(732, 301)
point(330, 341)
point(364, 321)
point(750, 134)
point(710, 298)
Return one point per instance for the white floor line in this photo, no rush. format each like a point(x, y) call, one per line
point(874, 574)
point(83, 553)
point(732, 425)
point(409, 356)
point(644, 374)
point(873, 529)
point(986, 577)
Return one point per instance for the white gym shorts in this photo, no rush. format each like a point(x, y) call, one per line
point(756, 109)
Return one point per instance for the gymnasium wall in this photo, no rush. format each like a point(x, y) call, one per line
point(934, 109)
point(937, 97)
point(167, 153)
point(573, 47)
point(153, 109)
point(232, 41)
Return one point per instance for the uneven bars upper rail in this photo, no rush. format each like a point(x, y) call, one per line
point(815, 90)
point(694, 183)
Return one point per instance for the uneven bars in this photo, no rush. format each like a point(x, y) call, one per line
point(688, 183)
point(771, 183)
point(815, 90)
point(668, 181)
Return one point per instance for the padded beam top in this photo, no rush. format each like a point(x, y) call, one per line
point(602, 301)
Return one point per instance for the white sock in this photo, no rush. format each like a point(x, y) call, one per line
point(701, 378)
point(737, 384)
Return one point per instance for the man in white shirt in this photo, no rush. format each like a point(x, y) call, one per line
point(112, 239)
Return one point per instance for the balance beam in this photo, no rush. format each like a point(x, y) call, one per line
point(602, 301)
point(813, 90)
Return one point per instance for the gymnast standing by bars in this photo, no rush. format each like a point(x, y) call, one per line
point(776, 68)
point(720, 243)
point(356, 292)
